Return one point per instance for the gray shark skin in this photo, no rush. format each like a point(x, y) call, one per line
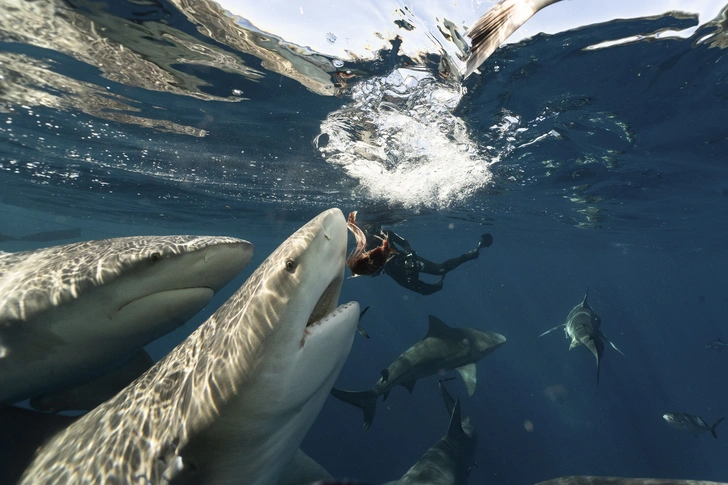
point(233, 401)
point(583, 328)
point(691, 423)
point(447, 462)
point(496, 25)
point(587, 480)
point(71, 312)
point(443, 348)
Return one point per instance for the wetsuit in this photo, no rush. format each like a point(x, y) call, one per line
point(406, 266)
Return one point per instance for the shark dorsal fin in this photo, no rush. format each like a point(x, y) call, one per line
point(437, 328)
point(584, 304)
point(455, 430)
point(469, 377)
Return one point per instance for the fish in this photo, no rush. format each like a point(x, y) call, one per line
point(233, 401)
point(363, 262)
point(691, 424)
point(443, 348)
point(72, 312)
point(449, 461)
point(716, 345)
point(496, 25)
point(583, 328)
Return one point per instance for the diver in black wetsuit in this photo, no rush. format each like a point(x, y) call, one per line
point(406, 265)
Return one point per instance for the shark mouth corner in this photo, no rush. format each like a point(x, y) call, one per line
point(325, 306)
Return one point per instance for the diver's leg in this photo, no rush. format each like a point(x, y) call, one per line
point(426, 288)
point(429, 267)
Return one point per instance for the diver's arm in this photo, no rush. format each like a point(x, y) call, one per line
point(399, 240)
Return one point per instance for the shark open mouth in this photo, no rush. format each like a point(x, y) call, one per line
point(325, 306)
point(326, 303)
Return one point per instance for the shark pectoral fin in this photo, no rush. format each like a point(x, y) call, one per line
point(89, 394)
point(712, 428)
point(552, 329)
point(385, 375)
point(611, 343)
point(468, 373)
point(303, 469)
point(410, 386)
point(359, 328)
point(574, 343)
point(437, 328)
point(455, 429)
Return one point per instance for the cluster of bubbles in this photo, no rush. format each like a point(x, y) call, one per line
point(399, 137)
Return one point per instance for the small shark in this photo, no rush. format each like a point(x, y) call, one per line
point(72, 312)
point(583, 328)
point(716, 345)
point(449, 461)
point(443, 348)
point(496, 25)
point(690, 423)
point(233, 401)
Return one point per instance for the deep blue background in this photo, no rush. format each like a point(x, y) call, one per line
point(629, 201)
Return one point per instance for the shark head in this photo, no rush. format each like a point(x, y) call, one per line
point(293, 341)
point(83, 306)
point(310, 337)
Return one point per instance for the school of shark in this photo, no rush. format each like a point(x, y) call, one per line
point(231, 403)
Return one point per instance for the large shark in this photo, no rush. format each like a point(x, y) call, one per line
point(233, 401)
point(447, 462)
point(443, 348)
point(583, 328)
point(70, 312)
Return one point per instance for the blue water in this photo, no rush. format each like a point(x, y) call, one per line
point(610, 174)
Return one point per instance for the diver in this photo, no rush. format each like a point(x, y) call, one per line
point(405, 265)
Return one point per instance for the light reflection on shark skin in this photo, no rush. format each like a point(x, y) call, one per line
point(75, 311)
point(235, 398)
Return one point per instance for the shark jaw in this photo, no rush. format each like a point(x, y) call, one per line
point(80, 308)
point(302, 341)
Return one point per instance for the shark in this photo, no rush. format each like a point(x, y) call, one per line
point(449, 461)
point(583, 327)
point(496, 25)
point(74, 311)
point(233, 401)
point(443, 348)
point(691, 423)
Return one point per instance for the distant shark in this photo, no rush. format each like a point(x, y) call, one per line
point(583, 328)
point(443, 348)
point(449, 461)
point(691, 423)
point(232, 402)
point(70, 312)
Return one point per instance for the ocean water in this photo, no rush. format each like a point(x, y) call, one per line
point(594, 156)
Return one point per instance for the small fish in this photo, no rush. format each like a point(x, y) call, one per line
point(716, 345)
point(361, 261)
point(691, 424)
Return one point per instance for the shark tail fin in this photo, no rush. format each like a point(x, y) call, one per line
point(364, 400)
point(712, 428)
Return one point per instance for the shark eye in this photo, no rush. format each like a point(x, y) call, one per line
point(155, 256)
point(290, 265)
